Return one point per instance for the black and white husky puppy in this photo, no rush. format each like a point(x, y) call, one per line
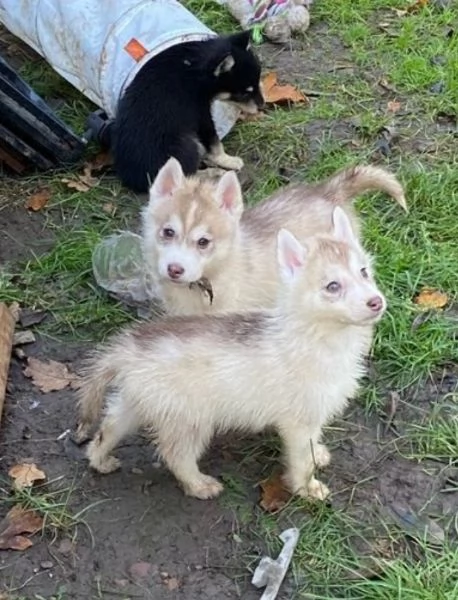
point(165, 111)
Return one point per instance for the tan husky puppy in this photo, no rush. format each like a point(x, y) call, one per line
point(292, 368)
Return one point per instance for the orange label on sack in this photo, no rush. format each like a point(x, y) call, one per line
point(135, 49)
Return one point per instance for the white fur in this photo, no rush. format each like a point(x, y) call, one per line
point(292, 368)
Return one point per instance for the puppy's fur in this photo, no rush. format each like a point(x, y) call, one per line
point(165, 111)
point(194, 229)
point(293, 368)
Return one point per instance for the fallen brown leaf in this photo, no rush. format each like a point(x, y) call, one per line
point(51, 375)
point(431, 298)
point(17, 522)
point(102, 160)
point(417, 5)
point(393, 106)
point(274, 495)
point(38, 200)
point(82, 183)
point(25, 475)
point(273, 92)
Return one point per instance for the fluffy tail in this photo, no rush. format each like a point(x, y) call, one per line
point(350, 183)
point(91, 395)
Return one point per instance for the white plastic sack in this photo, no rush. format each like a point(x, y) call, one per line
point(100, 45)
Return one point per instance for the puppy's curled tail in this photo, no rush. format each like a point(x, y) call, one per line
point(91, 394)
point(350, 183)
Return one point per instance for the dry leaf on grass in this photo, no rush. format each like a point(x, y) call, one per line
point(51, 375)
point(25, 475)
point(38, 200)
point(17, 522)
point(431, 298)
point(274, 495)
point(274, 93)
point(102, 160)
point(417, 5)
point(82, 183)
point(393, 106)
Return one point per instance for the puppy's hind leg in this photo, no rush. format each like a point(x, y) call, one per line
point(117, 424)
point(181, 448)
point(215, 154)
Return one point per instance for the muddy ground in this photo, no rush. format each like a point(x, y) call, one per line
point(141, 537)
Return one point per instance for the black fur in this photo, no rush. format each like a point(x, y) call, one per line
point(165, 111)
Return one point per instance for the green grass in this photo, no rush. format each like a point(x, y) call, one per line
point(339, 555)
point(51, 500)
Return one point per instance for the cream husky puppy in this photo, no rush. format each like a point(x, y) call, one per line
point(292, 368)
point(194, 229)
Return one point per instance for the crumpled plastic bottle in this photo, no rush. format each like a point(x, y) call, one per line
point(119, 268)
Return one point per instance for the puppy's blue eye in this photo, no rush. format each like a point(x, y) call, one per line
point(203, 242)
point(333, 287)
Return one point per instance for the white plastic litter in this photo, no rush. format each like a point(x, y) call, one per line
point(119, 268)
point(92, 43)
point(271, 572)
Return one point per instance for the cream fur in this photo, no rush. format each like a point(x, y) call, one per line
point(241, 265)
point(292, 368)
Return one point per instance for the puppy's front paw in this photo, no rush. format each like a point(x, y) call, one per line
point(104, 465)
point(204, 488)
point(232, 163)
point(317, 490)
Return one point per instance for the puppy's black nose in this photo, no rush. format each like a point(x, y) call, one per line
point(175, 271)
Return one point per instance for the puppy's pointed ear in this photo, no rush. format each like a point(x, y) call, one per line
point(343, 230)
point(241, 40)
point(229, 194)
point(168, 180)
point(290, 255)
point(224, 66)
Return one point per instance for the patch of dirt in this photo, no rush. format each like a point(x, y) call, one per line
point(22, 234)
point(141, 526)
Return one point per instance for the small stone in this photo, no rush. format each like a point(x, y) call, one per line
point(23, 337)
point(172, 584)
point(198, 567)
point(137, 471)
point(66, 546)
point(438, 87)
point(26, 433)
point(140, 570)
point(121, 582)
point(164, 574)
point(46, 564)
